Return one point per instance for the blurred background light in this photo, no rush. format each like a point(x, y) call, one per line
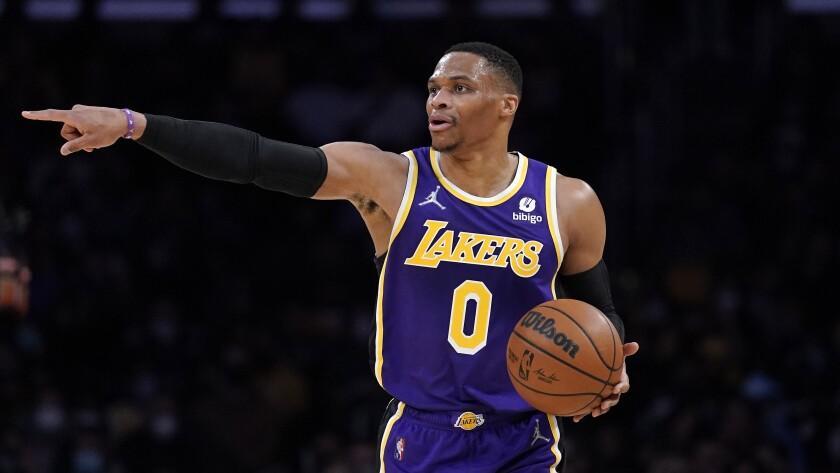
point(587, 8)
point(410, 9)
point(329, 10)
point(161, 10)
point(814, 6)
point(250, 9)
point(53, 9)
point(514, 8)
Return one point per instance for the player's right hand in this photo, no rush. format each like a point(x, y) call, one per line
point(85, 128)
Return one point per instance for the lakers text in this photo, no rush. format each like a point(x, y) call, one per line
point(475, 248)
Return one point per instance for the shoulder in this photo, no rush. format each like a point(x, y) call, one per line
point(579, 210)
point(582, 223)
point(575, 194)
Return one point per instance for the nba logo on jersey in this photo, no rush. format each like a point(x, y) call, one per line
point(469, 420)
point(398, 452)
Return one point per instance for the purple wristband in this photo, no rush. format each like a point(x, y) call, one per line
point(129, 117)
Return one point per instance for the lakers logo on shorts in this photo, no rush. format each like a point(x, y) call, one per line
point(469, 420)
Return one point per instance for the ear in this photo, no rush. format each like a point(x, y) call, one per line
point(510, 103)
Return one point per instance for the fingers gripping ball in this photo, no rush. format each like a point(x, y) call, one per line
point(564, 357)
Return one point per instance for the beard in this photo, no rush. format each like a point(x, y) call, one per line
point(445, 146)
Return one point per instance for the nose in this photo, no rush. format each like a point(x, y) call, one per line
point(440, 100)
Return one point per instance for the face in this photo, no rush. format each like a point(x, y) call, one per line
point(466, 104)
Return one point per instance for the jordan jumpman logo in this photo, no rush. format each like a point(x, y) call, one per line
point(538, 435)
point(432, 199)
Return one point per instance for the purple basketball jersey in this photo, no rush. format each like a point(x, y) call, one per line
point(460, 272)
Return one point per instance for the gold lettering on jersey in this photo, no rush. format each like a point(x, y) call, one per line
point(475, 248)
point(465, 245)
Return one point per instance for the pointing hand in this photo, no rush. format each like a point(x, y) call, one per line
point(88, 128)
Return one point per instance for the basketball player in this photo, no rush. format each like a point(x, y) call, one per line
point(464, 230)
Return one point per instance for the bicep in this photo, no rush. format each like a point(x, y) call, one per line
point(358, 169)
point(583, 217)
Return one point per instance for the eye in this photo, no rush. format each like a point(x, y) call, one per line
point(432, 90)
point(461, 88)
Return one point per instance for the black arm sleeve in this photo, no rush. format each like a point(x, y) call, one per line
point(593, 287)
point(232, 154)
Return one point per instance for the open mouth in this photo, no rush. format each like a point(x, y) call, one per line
point(439, 124)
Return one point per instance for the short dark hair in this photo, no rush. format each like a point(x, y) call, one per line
point(502, 61)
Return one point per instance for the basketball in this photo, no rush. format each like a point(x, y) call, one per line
point(564, 357)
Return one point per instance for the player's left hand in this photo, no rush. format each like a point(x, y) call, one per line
point(622, 387)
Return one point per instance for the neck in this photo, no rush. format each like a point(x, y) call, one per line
point(483, 171)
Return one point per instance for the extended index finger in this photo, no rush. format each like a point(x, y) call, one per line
point(49, 115)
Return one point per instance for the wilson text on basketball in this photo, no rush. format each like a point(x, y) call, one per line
point(545, 326)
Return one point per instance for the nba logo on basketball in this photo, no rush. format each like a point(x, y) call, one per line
point(525, 364)
point(398, 453)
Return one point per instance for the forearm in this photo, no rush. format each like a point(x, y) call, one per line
point(232, 154)
point(593, 287)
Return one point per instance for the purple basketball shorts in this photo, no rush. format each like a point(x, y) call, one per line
point(416, 441)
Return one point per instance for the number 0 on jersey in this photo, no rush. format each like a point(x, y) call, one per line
point(477, 292)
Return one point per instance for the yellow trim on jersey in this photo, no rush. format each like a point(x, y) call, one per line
point(510, 191)
point(402, 214)
point(555, 432)
point(551, 217)
point(408, 196)
point(386, 433)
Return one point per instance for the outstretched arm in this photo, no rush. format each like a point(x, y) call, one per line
point(583, 274)
point(224, 152)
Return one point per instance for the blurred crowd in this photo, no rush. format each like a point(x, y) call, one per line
point(177, 324)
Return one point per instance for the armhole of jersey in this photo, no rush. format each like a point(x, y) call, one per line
point(407, 199)
point(553, 225)
point(399, 221)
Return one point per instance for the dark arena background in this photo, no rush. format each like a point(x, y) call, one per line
point(155, 321)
